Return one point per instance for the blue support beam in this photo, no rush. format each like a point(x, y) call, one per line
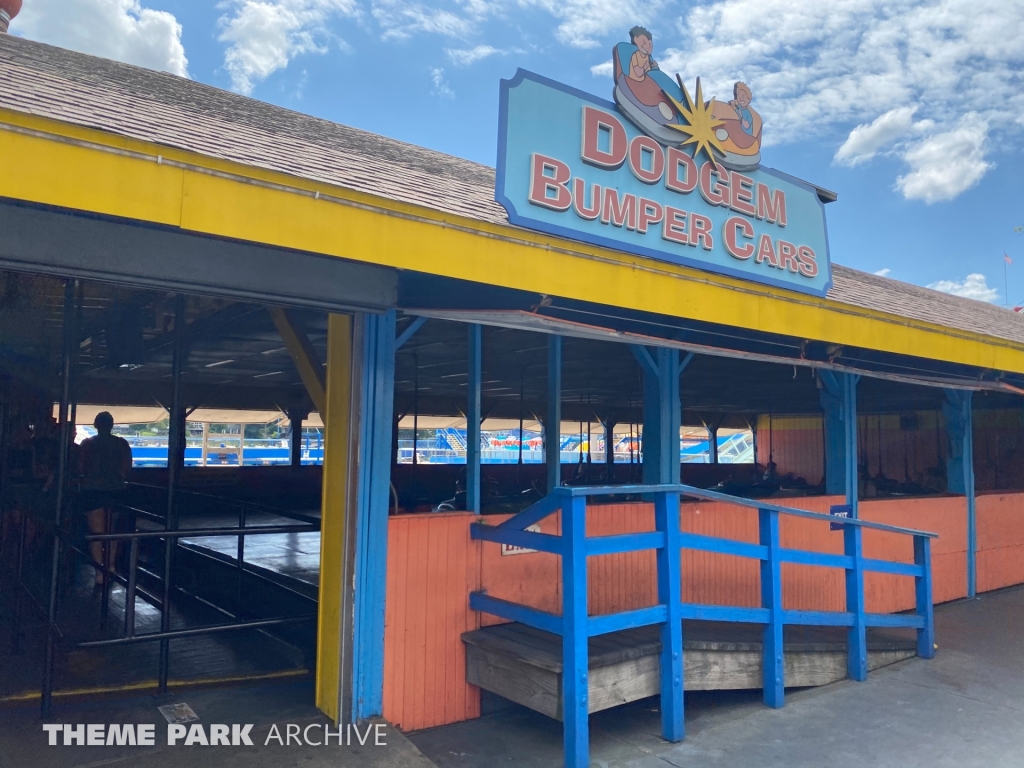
point(662, 414)
point(553, 422)
point(959, 415)
point(830, 396)
point(473, 418)
point(923, 593)
point(850, 439)
point(409, 332)
point(531, 617)
point(838, 398)
point(375, 340)
point(857, 641)
point(616, 622)
point(670, 579)
point(575, 635)
point(773, 659)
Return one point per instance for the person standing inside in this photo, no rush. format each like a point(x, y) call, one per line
point(106, 462)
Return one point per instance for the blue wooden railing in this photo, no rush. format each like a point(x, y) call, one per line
point(575, 626)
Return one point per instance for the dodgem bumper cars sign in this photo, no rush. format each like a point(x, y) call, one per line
point(660, 172)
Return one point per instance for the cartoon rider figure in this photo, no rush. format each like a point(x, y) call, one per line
point(641, 62)
point(742, 97)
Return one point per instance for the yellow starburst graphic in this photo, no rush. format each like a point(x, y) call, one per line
point(700, 130)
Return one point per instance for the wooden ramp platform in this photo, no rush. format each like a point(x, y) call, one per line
point(525, 664)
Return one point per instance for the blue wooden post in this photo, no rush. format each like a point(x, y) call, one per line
point(376, 407)
point(959, 416)
point(575, 660)
point(857, 642)
point(666, 520)
point(850, 434)
point(473, 419)
point(923, 592)
point(773, 659)
point(553, 423)
point(662, 414)
point(831, 398)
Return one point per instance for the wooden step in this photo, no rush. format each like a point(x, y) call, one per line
point(525, 664)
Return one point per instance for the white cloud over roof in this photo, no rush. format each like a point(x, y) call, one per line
point(264, 35)
point(972, 287)
point(123, 30)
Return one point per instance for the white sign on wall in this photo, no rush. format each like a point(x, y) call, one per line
point(510, 549)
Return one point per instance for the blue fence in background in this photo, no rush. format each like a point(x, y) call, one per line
point(575, 625)
point(256, 453)
point(448, 446)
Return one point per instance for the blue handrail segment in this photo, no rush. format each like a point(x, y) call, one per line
point(575, 626)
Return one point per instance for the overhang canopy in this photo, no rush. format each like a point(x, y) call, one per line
point(104, 138)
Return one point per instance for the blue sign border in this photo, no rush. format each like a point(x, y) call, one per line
point(617, 245)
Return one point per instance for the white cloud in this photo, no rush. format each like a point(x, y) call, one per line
point(817, 68)
point(604, 69)
point(867, 139)
point(465, 57)
point(402, 20)
point(944, 165)
point(973, 287)
point(441, 87)
point(115, 29)
point(584, 23)
point(884, 272)
point(581, 23)
point(264, 35)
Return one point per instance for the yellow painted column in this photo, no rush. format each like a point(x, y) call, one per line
point(339, 422)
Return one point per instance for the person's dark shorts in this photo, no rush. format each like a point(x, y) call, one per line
point(88, 500)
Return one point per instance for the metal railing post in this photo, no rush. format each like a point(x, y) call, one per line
point(242, 517)
point(773, 657)
point(575, 651)
point(105, 565)
point(16, 632)
point(923, 593)
point(666, 520)
point(857, 643)
point(129, 595)
point(68, 359)
point(175, 454)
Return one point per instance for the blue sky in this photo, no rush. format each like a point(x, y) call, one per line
point(911, 110)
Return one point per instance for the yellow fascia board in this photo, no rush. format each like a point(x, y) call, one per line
point(56, 163)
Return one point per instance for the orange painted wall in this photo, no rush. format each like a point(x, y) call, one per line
point(1000, 520)
point(433, 565)
point(796, 444)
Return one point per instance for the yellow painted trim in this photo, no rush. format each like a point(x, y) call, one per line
point(304, 357)
point(55, 163)
point(336, 477)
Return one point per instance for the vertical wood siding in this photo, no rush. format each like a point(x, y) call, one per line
point(1000, 519)
point(433, 565)
point(796, 445)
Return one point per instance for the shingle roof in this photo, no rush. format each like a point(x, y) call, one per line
point(173, 111)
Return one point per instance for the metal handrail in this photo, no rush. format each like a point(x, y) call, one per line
point(277, 511)
point(702, 493)
point(575, 626)
point(130, 582)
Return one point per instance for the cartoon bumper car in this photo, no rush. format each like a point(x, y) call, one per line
point(739, 134)
point(644, 101)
